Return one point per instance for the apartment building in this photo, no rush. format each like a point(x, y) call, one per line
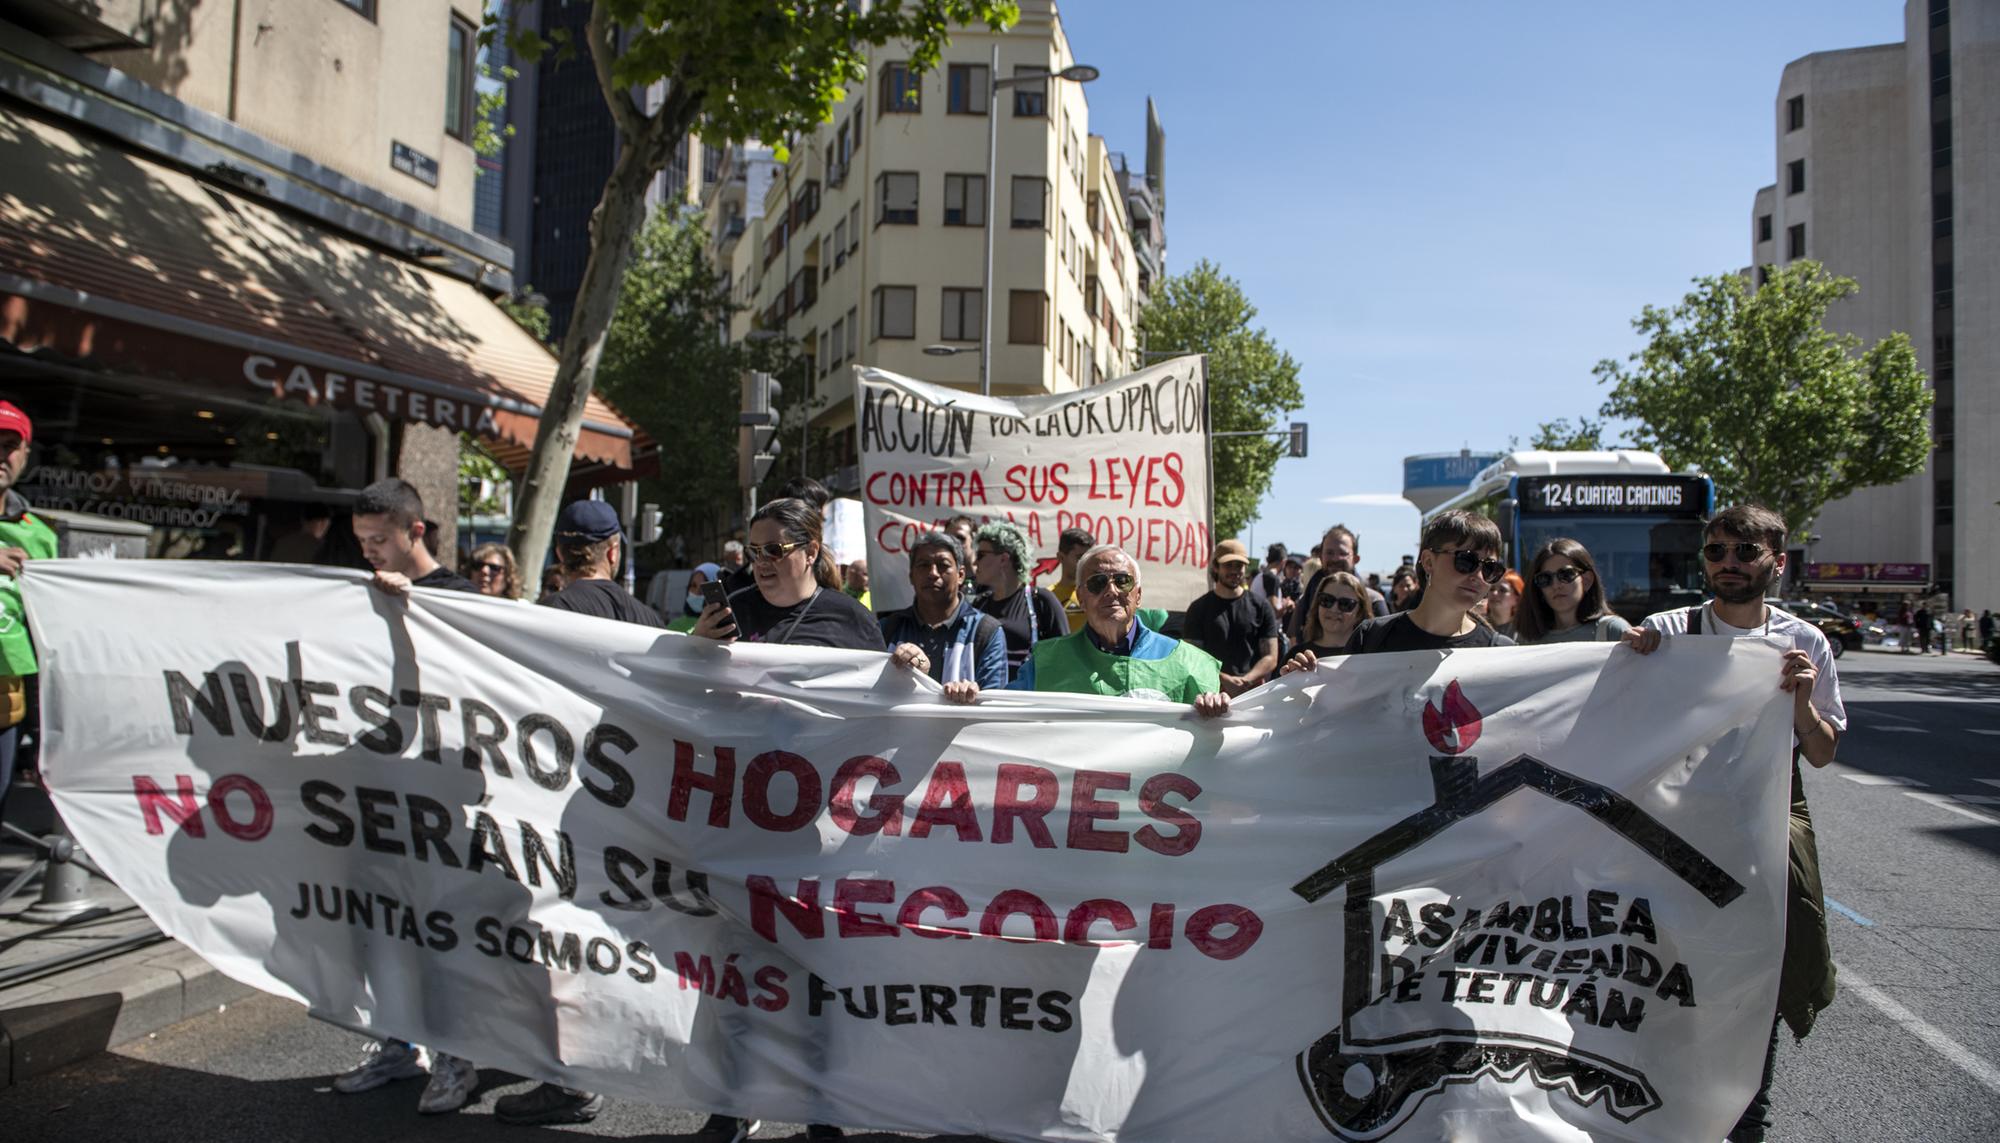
point(868, 245)
point(1885, 164)
point(239, 270)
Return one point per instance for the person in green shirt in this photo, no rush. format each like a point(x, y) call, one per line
point(1116, 654)
point(22, 538)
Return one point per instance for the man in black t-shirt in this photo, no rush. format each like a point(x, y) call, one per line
point(1233, 623)
point(389, 526)
point(1028, 614)
point(1457, 565)
point(589, 544)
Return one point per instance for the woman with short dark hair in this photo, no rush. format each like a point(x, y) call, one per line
point(1565, 602)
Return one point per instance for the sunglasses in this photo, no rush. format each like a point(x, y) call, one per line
point(1746, 553)
point(1566, 575)
point(1096, 584)
point(1338, 602)
point(772, 553)
point(490, 569)
point(1466, 562)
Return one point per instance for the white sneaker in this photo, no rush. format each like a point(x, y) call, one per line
point(452, 1081)
point(381, 1062)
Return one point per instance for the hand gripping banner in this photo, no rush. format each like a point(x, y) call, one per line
point(1516, 894)
point(1127, 461)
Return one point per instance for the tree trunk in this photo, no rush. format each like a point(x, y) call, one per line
point(613, 227)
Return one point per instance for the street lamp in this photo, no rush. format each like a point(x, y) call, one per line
point(1075, 73)
point(948, 350)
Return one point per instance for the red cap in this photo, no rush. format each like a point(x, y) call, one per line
point(15, 419)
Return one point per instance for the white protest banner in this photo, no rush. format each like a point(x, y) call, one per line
point(1126, 461)
point(1512, 894)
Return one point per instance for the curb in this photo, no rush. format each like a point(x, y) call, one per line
point(51, 1023)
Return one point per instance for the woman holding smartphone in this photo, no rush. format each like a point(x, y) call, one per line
point(794, 597)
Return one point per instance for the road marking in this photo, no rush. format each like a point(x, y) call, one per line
point(1980, 799)
point(1900, 729)
point(1882, 780)
point(1848, 913)
point(1982, 1073)
point(1988, 781)
point(1977, 730)
point(1944, 803)
point(1890, 717)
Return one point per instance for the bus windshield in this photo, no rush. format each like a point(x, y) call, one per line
point(1644, 565)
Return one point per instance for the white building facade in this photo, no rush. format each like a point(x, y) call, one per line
point(1885, 161)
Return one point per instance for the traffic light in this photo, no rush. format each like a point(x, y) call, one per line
point(757, 432)
point(1298, 439)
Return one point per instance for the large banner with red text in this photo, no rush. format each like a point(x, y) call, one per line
point(1126, 461)
point(1509, 894)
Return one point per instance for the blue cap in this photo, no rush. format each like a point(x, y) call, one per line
point(588, 521)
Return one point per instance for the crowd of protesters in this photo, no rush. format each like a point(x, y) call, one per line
point(978, 624)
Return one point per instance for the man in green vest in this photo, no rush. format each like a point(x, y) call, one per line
point(22, 538)
point(1114, 653)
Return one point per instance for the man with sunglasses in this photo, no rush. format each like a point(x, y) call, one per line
point(1115, 654)
point(1743, 555)
point(1459, 562)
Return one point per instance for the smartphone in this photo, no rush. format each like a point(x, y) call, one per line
point(714, 594)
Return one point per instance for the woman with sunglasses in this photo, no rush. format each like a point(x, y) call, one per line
point(794, 595)
point(1566, 603)
point(492, 569)
point(1458, 563)
point(1336, 610)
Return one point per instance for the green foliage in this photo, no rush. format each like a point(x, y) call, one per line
point(1748, 384)
point(667, 367)
point(762, 69)
point(529, 310)
point(490, 129)
point(1558, 436)
point(1250, 380)
point(482, 480)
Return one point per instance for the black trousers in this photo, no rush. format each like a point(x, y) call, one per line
point(1755, 1122)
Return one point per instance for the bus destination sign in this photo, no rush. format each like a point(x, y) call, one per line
point(1671, 495)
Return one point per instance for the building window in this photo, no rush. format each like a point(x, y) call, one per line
point(896, 312)
point(1031, 100)
point(1031, 203)
point(1795, 112)
point(962, 315)
point(853, 333)
point(1795, 177)
point(967, 88)
point(854, 228)
point(838, 341)
point(1763, 228)
point(965, 200)
point(1027, 317)
point(365, 7)
point(902, 93)
point(897, 192)
point(1795, 241)
point(1941, 214)
point(458, 73)
point(840, 244)
point(1763, 275)
point(825, 355)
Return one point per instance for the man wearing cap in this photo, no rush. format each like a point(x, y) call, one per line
point(1233, 623)
point(589, 544)
point(22, 538)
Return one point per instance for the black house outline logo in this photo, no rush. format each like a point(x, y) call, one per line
point(1400, 1072)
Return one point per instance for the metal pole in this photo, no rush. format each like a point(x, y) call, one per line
point(65, 884)
point(992, 198)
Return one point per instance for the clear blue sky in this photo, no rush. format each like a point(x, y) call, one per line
point(1448, 212)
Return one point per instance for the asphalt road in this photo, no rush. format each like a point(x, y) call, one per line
point(1909, 828)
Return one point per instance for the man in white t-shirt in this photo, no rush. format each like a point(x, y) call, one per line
point(1743, 554)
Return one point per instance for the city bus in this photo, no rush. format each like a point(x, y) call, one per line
point(1640, 519)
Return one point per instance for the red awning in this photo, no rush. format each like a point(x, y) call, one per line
point(111, 261)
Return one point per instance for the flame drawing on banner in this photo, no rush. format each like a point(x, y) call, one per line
point(1454, 729)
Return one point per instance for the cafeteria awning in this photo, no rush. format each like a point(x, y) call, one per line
point(111, 261)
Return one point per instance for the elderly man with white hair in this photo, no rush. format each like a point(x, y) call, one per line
point(1114, 653)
